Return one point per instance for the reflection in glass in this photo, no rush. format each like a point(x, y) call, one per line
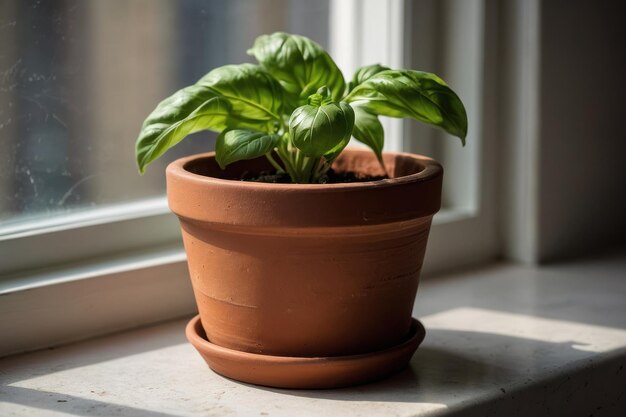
point(77, 79)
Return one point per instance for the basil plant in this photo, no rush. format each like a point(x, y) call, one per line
point(295, 108)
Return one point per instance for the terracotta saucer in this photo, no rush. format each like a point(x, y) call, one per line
point(303, 372)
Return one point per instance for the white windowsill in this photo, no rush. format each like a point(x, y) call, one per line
point(501, 340)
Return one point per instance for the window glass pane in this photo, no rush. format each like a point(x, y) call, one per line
point(77, 78)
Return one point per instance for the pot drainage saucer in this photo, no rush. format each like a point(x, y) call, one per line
point(303, 372)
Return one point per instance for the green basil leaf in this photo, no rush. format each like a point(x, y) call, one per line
point(420, 95)
point(239, 144)
point(301, 65)
point(365, 73)
point(318, 127)
point(334, 152)
point(189, 110)
point(179, 105)
point(369, 130)
point(255, 96)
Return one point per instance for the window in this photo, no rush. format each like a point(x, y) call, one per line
point(76, 80)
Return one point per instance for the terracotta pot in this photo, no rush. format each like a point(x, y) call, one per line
point(305, 270)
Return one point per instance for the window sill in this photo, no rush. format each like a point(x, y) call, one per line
point(501, 340)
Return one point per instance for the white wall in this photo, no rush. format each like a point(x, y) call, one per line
point(582, 128)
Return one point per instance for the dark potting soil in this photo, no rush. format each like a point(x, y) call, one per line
point(331, 177)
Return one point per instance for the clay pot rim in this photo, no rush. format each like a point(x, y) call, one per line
point(205, 198)
point(431, 169)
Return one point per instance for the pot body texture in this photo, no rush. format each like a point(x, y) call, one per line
point(305, 270)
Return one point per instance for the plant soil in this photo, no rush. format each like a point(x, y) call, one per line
point(331, 177)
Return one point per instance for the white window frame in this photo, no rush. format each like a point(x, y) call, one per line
point(465, 231)
point(70, 238)
point(137, 265)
